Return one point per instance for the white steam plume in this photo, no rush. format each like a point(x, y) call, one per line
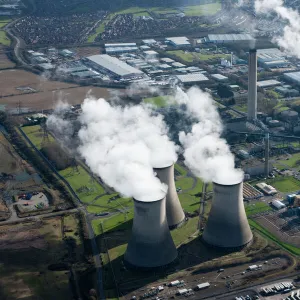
point(290, 40)
point(206, 154)
point(123, 144)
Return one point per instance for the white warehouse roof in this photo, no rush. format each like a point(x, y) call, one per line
point(270, 54)
point(121, 45)
point(181, 40)
point(267, 83)
point(219, 77)
point(195, 77)
point(113, 64)
point(230, 37)
point(294, 76)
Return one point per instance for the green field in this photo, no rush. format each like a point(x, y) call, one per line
point(191, 56)
point(4, 40)
point(257, 207)
point(241, 108)
point(81, 183)
point(159, 101)
point(185, 183)
point(35, 134)
point(285, 184)
point(99, 29)
point(292, 162)
point(202, 10)
point(269, 235)
point(180, 169)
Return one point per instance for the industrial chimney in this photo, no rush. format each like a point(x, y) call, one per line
point(151, 244)
point(175, 214)
point(227, 225)
point(252, 85)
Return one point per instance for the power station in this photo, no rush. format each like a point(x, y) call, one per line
point(227, 225)
point(252, 85)
point(151, 244)
point(175, 214)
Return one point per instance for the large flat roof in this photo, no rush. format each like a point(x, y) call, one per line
point(121, 45)
point(269, 54)
point(267, 83)
point(230, 37)
point(195, 77)
point(113, 64)
point(293, 75)
point(181, 40)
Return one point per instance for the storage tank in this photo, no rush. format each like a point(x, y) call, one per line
point(175, 214)
point(151, 244)
point(227, 225)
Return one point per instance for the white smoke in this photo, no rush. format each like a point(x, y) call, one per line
point(290, 40)
point(206, 154)
point(123, 144)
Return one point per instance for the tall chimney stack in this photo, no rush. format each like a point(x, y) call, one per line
point(252, 85)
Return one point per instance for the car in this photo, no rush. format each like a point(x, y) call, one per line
point(221, 270)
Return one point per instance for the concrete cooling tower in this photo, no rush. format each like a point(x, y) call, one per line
point(175, 214)
point(227, 225)
point(151, 244)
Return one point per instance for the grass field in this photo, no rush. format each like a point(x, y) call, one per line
point(99, 29)
point(184, 183)
point(191, 56)
point(285, 184)
point(292, 162)
point(242, 108)
point(269, 235)
point(257, 207)
point(4, 40)
point(81, 183)
point(180, 169)
point(35, 134)
point(159, 101)
point(202, 10)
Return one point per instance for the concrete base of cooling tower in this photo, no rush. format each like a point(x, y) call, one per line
point(146, 256)
point(179, 224)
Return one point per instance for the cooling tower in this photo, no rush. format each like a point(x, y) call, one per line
point(175, 214)
point(227, 225)
point(252, 85)
point(151, 244)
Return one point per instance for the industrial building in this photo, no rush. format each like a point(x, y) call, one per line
point(179, 42)
point(287, 91)
point(113, 67)
point(268, 83)
point(293, 77)
point(278, 204)
point(175, 214)
point(151, 244)
point(250, 192)
point(120, 48)
point(227, 225)
point(271, 58)
point(266, 188)
point(192, 78)
point(229, 38)
point(252, 86)
point(219, 77)
point(149, 42)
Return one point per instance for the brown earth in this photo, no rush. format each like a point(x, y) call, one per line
point(49, 92)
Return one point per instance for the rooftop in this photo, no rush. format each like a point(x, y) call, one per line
point(113, 64)
point(195, 77)
point(230, 37)
point(267, 83)
point(181, 40)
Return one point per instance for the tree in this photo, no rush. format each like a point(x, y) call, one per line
point(224, 91)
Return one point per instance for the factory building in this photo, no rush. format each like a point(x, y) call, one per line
point(151, 244)
point(293, 77)
point(120, 48)
point(271, 58)
point(227, 225)
point(252, 86)
point(113, 67)
point(268, 83)
point(149, 42)
point(229, 38)
point(191, 78)
point(150, 54)
point(219, 77)
point(266, 188)
point(287, 91)
point(175, 214)
point(179, 42)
